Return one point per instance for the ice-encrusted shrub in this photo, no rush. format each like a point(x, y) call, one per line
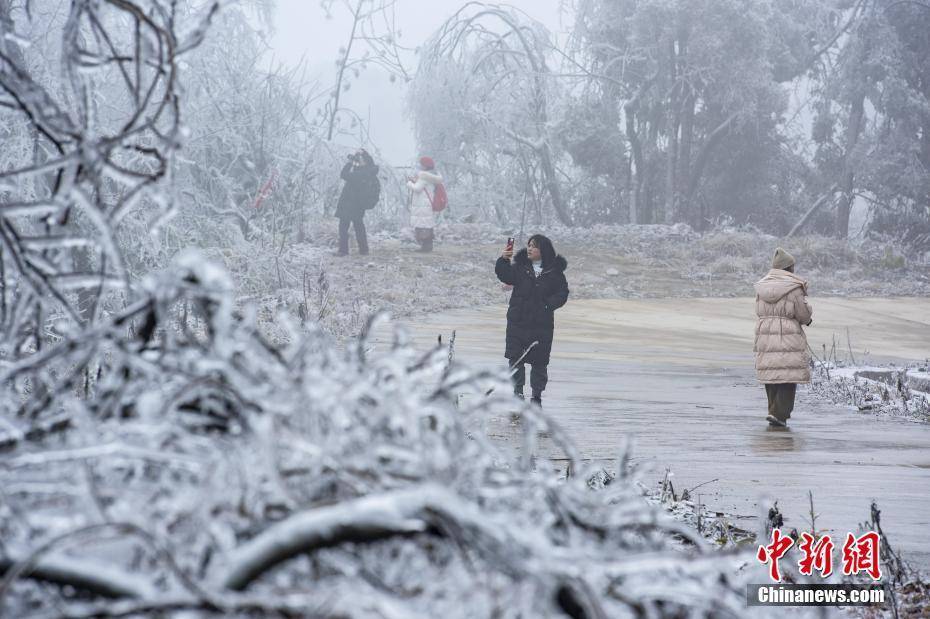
point(730, 243)
point(202, 468)
point(816, 252)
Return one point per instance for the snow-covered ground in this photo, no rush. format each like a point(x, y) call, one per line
point(675, 376)
point(214, 474)
point(604, 262)
point(889, 390)
point(209, 460)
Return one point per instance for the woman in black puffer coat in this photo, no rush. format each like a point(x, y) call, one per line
point(537, 275)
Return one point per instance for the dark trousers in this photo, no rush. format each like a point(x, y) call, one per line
point(538, 377)
point(358, 222)
point(781, 400)
point(424, 237)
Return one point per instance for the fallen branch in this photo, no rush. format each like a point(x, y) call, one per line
point(167, 607)
point(38, 431)
point(372, 518)
point(83, 574)
point(690, 491)
point(810, 212)
point(419, 509)
point(105, 450)
point(112, 582)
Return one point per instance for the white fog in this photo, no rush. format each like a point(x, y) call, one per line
point(388, 309)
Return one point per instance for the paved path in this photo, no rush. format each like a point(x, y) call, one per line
point(676, 377)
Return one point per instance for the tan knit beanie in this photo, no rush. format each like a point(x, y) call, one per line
point(782, 260)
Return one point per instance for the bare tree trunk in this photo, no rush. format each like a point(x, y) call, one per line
point(673, 114)
point(925, 155)
point(670, 165)
point(925, 142)
point(552, 185)
point(810, 212)
point(685, 203)
point(636, 165)
point(715, 137)
point(684, 209)
point(8, 45)
point(853, 128)
point(342, 68)
point(638, 172)
point(652, 192)
point(545, 151)
point(646, 208)
point(634, 195)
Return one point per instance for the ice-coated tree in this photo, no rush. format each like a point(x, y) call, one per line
point(100, 113)
point(251, 164)
point(161, 456)
point(373, 40)
point(873, 124)
point(695, 91)
point(481, 103)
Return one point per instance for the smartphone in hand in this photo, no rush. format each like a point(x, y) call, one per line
point(510, 241)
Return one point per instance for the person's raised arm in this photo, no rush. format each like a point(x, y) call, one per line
point(417, 185)
point(346, 171)
point(503, 268)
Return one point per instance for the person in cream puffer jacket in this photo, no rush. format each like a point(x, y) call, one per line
point(782, 353)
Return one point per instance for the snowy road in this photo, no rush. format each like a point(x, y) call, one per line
point(676, 375)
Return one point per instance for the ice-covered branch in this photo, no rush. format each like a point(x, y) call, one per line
point(91, 576)
point(367, 519)
point(90, 163)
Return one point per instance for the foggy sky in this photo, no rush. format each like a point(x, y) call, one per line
point(302, 31)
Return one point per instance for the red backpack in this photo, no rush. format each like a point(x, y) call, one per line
point(439, 200)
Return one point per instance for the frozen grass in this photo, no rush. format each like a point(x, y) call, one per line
point(604, 262)
point(884, 391)
point(209, 472)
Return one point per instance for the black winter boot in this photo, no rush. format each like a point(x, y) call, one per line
point(537, 398)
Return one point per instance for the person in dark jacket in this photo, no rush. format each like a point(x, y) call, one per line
point(360, 193)
point(537, 275)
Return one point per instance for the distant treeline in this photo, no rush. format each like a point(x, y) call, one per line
point(767, 113)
